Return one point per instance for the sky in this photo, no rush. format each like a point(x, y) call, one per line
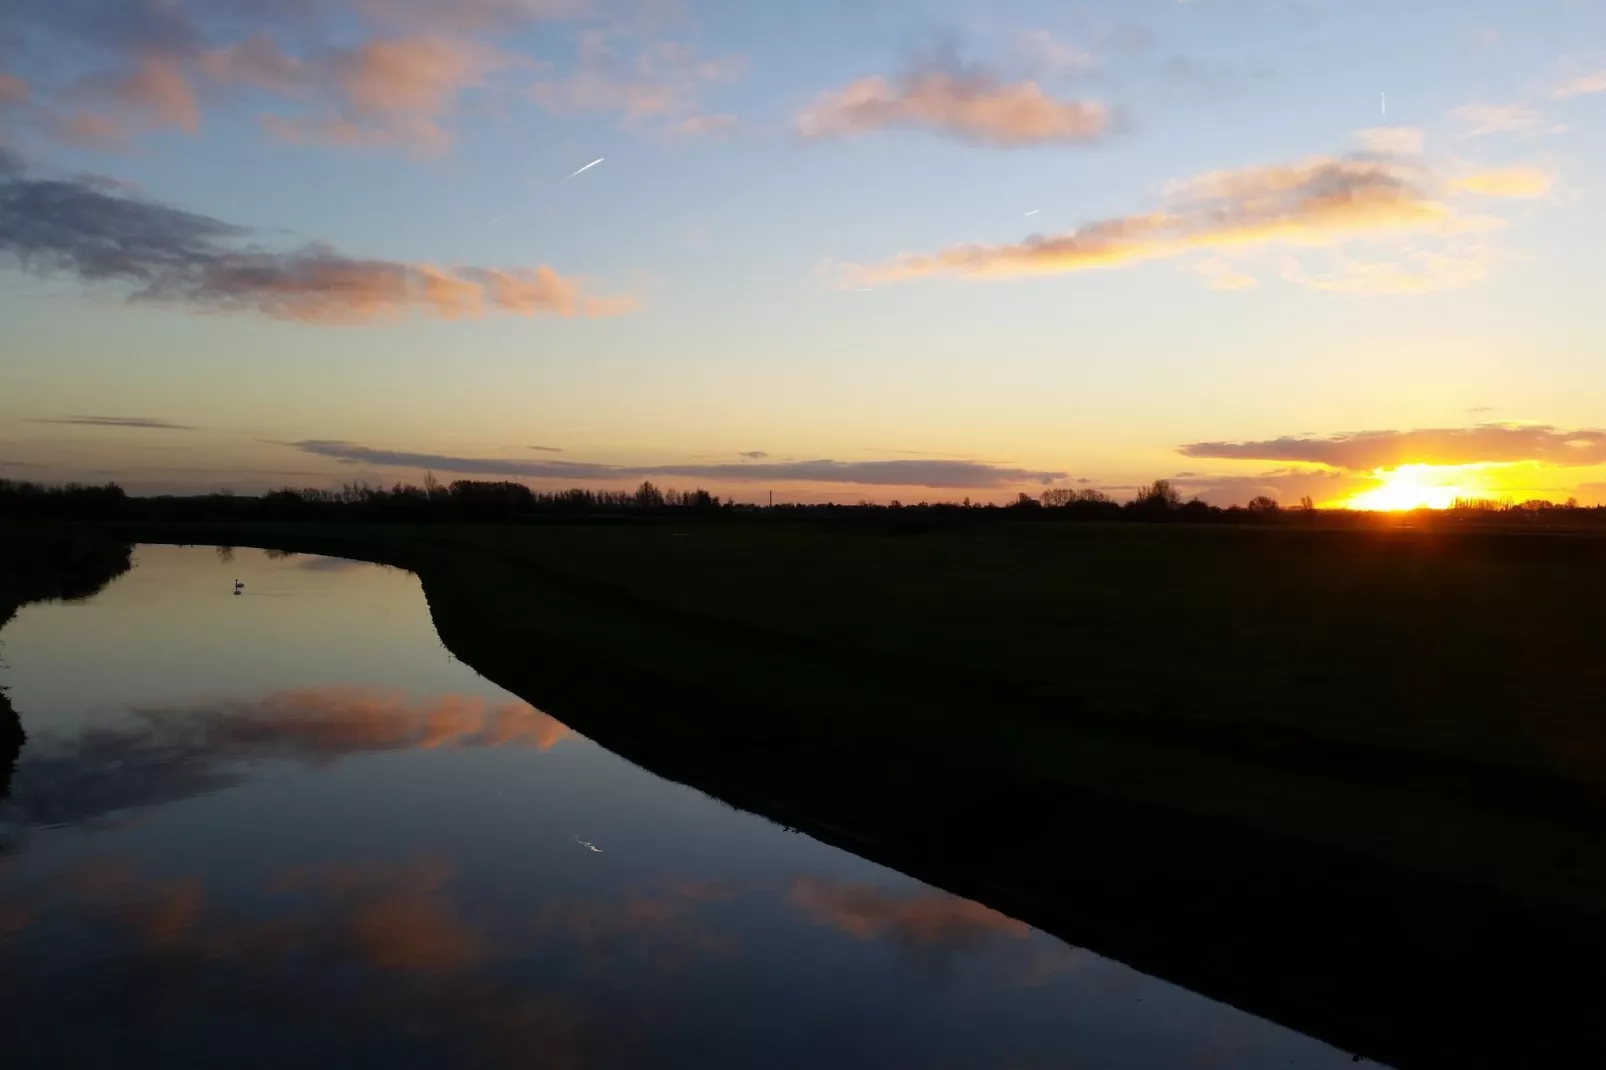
point(841, 251)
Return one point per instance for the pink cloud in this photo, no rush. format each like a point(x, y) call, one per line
point(970, 107)
point(89, 130)
point(418, 76)
point(258, 61)
point(714, 126)
point(13, 90)
point(1322, 201)
point(159, 88)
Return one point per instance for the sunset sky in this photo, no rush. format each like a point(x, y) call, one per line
point(839, 250)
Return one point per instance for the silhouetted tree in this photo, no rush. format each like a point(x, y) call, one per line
point(649, 497)
point(1157, 501)
point(1054, 497)
point(1263, 504)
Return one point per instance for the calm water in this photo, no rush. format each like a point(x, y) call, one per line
point(288, 828)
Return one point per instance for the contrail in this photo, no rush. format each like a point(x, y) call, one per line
point(1034, 211)
point(517, 207)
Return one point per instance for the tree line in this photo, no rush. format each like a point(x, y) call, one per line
point(501, 501)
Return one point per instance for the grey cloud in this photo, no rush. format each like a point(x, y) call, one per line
point(166, 255)
point(754, 455)
point(545, 449)
point(1367, 450)
point(959, 475)
point(184, 27)
point(117, 421)
point(135, 25)
point(1285, 485)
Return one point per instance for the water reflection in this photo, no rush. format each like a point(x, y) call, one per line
point(376, 959)
point(362, 853)
point(161, 753)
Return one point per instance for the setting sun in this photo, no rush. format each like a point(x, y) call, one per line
point(1417, 486)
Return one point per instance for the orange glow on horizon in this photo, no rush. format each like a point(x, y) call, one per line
point(1420, 486)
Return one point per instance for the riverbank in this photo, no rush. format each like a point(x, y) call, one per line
point(42, 562)
point(1348, 781)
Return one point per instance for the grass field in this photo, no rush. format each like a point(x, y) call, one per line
point(1324, 775)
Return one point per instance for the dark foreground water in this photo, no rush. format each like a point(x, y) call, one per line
point(286, 828)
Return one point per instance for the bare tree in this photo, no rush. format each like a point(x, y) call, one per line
point(1055, 497)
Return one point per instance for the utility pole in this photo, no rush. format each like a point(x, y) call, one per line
point(772, 499)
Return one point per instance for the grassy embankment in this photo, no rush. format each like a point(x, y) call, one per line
point(1353, 781)
point(40, 563)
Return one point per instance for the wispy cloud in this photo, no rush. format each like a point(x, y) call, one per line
point(1485, 120)
point(545, 449)
point(1585, 83)
point(1405, 271)
point(1518, 181)
point(958, 475)
point(1524, 116)
point(1313, 202)
point(169, 256)
point(1370, 450)
point(658, 89)
point(753, 455)
point(381, 92)
point(970, 104)
point(1400, 141)
point(719, 125)
point(1220, 275)
point(116, 421)
point(1049, 55)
